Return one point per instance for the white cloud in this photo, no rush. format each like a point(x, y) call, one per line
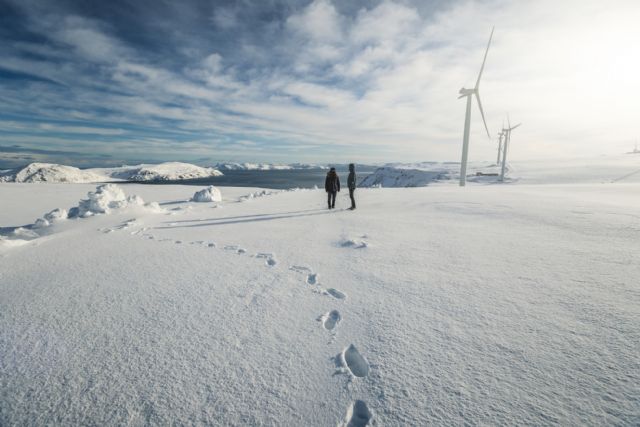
point(385, 77)
point(225, 18)
point(319, 22)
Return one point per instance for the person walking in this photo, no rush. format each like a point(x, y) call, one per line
point(332, 186)
point(351, 184)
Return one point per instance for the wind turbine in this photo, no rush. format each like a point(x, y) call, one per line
point(500, 135)
point(467, 119)
point(507, 139)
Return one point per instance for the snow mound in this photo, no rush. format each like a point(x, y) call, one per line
point(209, 194)
point(105, 199)
point(395, 177)
point(56, 215)
point(50, 172)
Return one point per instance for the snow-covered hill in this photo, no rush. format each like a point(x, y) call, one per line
point(394, 177)
point(267, 166)
point(170, 171)
point(425, 173)
point(48, 172)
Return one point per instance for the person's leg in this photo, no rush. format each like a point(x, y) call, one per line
point(353, 200)
point(333, 199)
point(329, 199)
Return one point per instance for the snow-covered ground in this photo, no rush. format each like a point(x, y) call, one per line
point(49, 172)
point(514, 304)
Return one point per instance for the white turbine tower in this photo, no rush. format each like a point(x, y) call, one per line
point(467, 119)
point(507, 140)
point(500, 136)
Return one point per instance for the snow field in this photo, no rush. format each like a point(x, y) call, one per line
point(488, 305)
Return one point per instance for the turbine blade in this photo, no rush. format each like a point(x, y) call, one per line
point(516, 126)
point(482, 113)
point(485, 59)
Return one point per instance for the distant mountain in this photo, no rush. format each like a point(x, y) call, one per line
point(49, 172)
point(403, 177)
point(266, 166)
point(421, 174)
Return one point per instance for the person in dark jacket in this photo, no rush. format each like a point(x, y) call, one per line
point(332, 186)
point(351, 184)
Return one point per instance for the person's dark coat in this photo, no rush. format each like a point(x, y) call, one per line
point(332, 182)
point(351, 179)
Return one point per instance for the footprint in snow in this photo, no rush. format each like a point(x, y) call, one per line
point(178, 242)
point(351, 359)
point(354, 244)
point(269, 257)
point(312, 279)
point(235, 249)
point(300, 269)
point(336, 293)
point(358, 415)
point(126, 224)
point(211, 245)
point(330, 320)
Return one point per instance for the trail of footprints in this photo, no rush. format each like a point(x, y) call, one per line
point(348, 361)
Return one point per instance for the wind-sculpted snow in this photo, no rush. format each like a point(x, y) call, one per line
point(105, 199)
point(209, 194)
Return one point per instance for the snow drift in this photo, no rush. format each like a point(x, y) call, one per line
point(104, 200)
point(209, 194)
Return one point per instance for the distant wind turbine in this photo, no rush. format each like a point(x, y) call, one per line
point(507, 140)
point(500, 135)
point(467, 119)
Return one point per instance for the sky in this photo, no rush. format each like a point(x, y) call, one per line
point(319, 81)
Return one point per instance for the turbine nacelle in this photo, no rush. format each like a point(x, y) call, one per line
point(467, 92)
